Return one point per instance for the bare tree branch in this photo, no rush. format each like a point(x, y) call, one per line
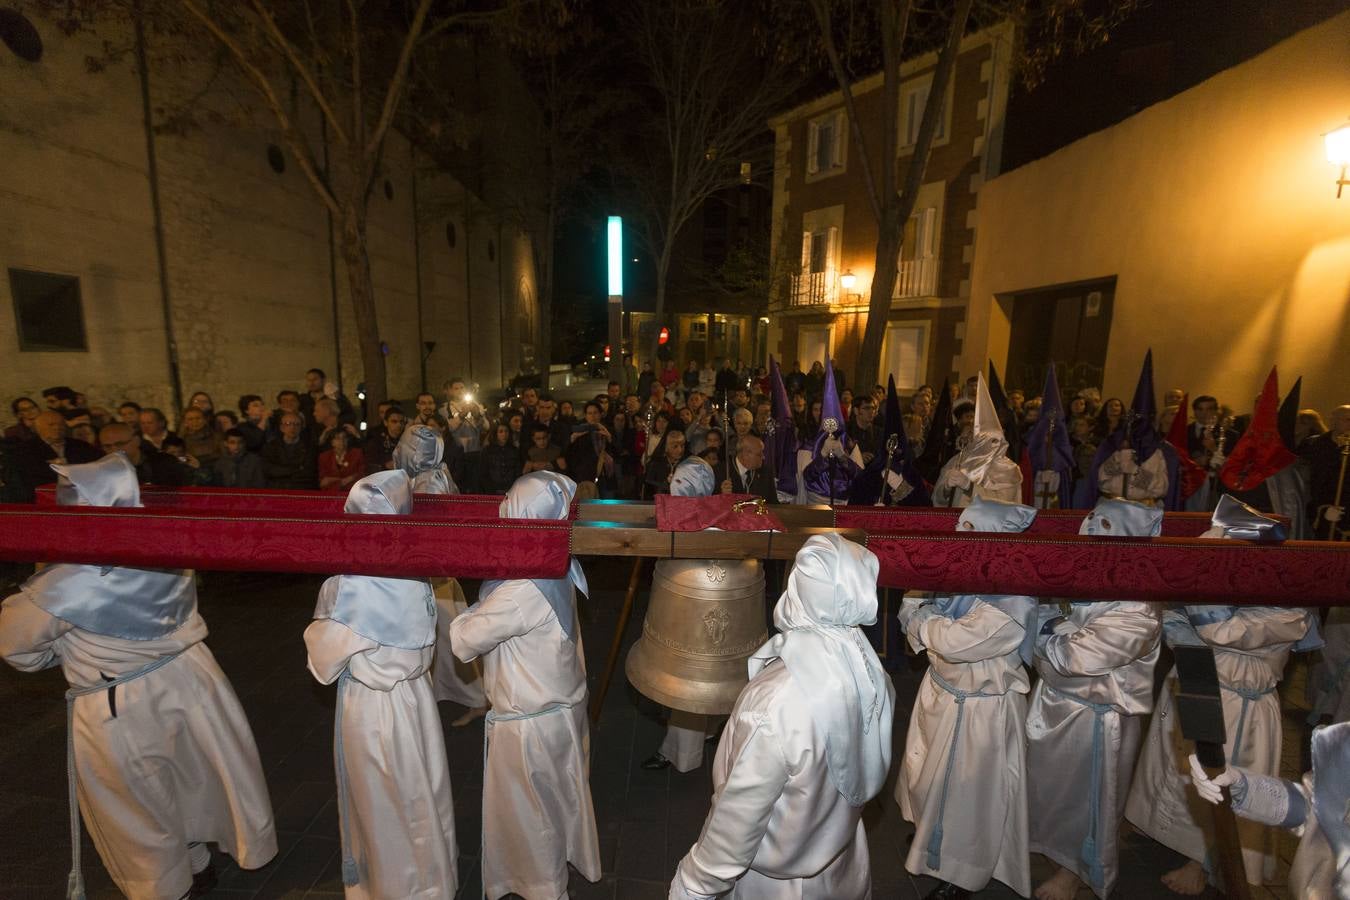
point(299, 147)
point(279, 41)
point(398, 79)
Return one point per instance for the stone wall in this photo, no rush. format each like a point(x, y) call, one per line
point(252, 285)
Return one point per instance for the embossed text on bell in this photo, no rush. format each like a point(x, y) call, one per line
point(705, 618)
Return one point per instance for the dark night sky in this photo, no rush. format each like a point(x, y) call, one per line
point(1165, 48)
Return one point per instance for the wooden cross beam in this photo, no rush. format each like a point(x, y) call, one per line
point(462, 537)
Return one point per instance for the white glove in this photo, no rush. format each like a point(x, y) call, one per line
point(1211, 789)
point(1333, 514)
point(955, 479)
point(1216, 460)
point(909, 606)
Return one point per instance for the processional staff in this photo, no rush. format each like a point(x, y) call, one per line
point(1338, 504)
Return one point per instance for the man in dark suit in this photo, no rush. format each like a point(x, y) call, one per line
point(865, 430)
point(53, 444)
point(748, 475)
point(152, 466)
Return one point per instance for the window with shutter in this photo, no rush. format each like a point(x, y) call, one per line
point(912, 108)
point(825, 145)
point(820, 250)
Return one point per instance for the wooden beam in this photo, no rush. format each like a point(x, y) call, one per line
point(616, 539)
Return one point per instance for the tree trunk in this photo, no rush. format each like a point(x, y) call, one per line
point(356, 258)
point(897, 206)
point(544, 357)
point(662, 271)
point(867, 370)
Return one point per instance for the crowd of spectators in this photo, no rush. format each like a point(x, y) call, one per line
point(623, 443)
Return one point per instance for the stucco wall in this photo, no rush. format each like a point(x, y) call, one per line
point(1217, 212)
point(246, 248)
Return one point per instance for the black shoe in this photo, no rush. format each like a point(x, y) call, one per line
point(655, 762)
point(948, 891)
point(203, 883)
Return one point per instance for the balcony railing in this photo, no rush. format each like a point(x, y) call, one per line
point(917, 277)
point(812, 289)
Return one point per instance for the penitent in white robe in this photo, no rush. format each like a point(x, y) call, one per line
point(164, 760)
point(1086, 716)
point(1330, 678)
point(537, 810)
point(778, 829)
point(1001, 481)
point(983, 814)
point(1250, 651)
point(453, 680)
point(1147, 481)
point(399, 820)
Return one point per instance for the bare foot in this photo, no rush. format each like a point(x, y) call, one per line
point(1189, 879)
point(476, 713)
point(1062, 885)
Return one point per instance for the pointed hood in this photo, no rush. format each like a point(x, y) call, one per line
point(939, 434)
point(1192, 473)
point(780, 438)
point(890, 478)
point(1050, 428)
point(1288, 417)
point(831, 412)
point(1260, 452)
point(996, 392)
point(833, 442)
point(110, 481)
point(1051, 424)
point(1143, 434)
point(987, 443)
point(1138, 425)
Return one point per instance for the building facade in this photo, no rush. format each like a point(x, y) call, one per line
point(824, 233)
point(1205, 226)
point(135, 256)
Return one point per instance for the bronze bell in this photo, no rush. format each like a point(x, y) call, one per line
point(705, 618)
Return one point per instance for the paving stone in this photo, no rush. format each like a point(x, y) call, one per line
point(646, 820)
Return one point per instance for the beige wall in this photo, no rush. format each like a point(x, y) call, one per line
point(247, 249)
point(1217, 212)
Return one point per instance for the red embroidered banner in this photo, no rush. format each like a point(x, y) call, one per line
point(1048, 521)
point(367, 545)
point(1294, 573)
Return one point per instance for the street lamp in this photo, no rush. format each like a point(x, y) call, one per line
point(614, 233)
point(848, 281)
point(1338, 154)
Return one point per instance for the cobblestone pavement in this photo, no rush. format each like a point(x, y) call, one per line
point(647, 820)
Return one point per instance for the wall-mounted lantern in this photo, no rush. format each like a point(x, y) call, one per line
point(1338, 154)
